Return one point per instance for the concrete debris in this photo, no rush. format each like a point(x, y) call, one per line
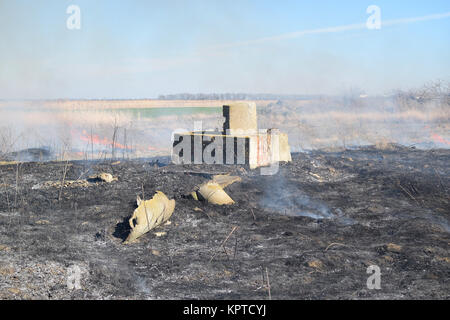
point(160, 234)
point(149, 215)
point(42, 222)
point(79, 183)
point(104, 177)
point(57, 184)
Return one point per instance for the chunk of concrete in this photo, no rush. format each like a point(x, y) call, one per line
point(103, 176)
point(284, 148)
point(240, 116)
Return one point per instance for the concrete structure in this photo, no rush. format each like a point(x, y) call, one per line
point(240, 142)
point(240, 116)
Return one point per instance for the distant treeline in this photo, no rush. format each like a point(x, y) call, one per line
point(234, 96)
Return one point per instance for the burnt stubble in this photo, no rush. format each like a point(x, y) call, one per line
point(312, 229)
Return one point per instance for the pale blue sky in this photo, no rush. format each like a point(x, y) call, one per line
point(138, 49)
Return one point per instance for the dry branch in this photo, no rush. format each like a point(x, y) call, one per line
point(223, 242)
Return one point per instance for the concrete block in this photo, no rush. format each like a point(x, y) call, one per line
point(240, 116)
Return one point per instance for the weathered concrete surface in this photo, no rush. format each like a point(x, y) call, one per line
point(240, 116)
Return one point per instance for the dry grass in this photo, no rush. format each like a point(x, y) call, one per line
point(120, 104)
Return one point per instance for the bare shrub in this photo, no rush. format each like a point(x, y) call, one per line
point(7, 141)
point(432, 94)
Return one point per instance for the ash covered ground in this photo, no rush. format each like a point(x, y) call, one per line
point(308, 232)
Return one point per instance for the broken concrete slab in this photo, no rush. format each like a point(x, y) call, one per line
point(102, 177)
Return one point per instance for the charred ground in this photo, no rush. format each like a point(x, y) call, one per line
point(385, 207)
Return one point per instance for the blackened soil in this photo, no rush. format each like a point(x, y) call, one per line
point(308, 232)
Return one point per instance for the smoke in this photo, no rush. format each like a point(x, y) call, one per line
point(286, 198)
point(419, 118)
point(132, 129)
point(86, 130)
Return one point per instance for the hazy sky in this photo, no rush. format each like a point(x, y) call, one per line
point(137, 49)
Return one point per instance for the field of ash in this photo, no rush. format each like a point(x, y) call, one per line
point(308, 232)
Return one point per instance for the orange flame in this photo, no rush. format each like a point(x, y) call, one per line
point(96, 139)
point(437, 137)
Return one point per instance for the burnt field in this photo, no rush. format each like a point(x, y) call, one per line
point(308, 232)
